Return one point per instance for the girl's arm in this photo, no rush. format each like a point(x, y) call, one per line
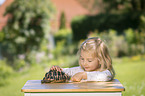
point(99, 76)
point(72, 71)
point(79, 76)
point(92, 76)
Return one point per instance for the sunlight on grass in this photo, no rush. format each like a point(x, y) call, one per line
point(129, 73)
point(13, 88)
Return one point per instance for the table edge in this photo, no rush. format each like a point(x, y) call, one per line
point(72, 90)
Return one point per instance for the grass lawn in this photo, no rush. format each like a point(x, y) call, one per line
point(129, 73)
point(132, 75)
point(15, 83)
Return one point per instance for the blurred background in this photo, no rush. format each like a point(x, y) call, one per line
point(36, 34)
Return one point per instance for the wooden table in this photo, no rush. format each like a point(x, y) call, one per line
point(83, 88)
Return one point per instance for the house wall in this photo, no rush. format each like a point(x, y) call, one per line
point(71, 8)
point(3, 19)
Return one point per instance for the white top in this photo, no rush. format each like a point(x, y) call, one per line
point(91, 76)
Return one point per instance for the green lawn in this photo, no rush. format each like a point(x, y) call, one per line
point(129, 73)
point(13, 88)
point(132, 75)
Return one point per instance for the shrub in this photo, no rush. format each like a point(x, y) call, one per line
point(5, 72)
point(83, 25)
point(1, 36)
point(62, 21)
point(19, 64)
point(64, 34)
point(135, 41)
point(65, 61)
point(63, 38)
point(129, 44)
point(27, 26)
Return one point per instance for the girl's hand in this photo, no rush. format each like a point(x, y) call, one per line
point(79, 76)
point(56, 68)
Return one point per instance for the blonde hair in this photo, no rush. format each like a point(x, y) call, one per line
point(100, 51)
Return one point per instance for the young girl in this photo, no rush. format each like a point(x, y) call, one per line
point(94, 60)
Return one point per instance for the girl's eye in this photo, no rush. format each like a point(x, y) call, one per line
point(90, 60)
point(82, 58)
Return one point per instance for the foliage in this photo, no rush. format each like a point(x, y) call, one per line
point(44, 56)
point(63, 53)
point(91, 5)
point(27, 26)
point(19, 64)
point(64, 34)
point(117, 14)
point(116, 44)
point(5, 72)
point(1, 36)
point(62, 21)
point(83, 25)
point(130, 36)
point(135, 40)
point(129, 44)
point(63, 38)
point(65, 61)
point(142, 22)
point(116, 5)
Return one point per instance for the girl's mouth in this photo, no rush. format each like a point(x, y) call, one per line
point(86, 67)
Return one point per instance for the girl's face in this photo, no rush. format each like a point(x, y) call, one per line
point(88, 61)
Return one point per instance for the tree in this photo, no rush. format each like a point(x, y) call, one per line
point(27, 26)
point(62, 21)
point(112, 5)
point(93, 6)
point(132, 5)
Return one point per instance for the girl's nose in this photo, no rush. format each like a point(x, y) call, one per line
point(85, 62)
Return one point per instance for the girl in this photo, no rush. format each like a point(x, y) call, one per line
point(94, 60)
